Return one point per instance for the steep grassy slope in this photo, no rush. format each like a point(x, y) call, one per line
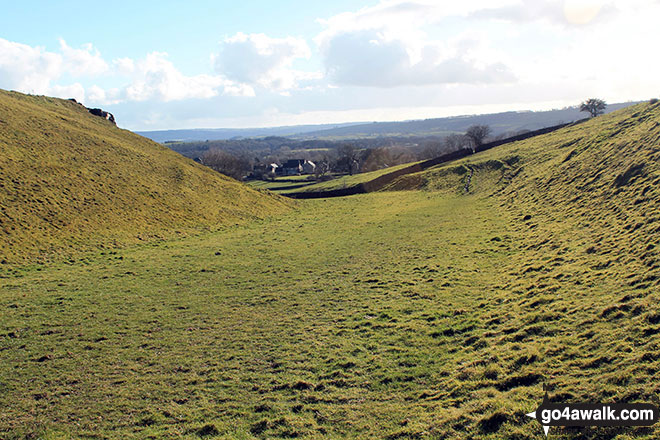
point(579, 299)
point(69, 179)
point(594, 188)
point(594, 153)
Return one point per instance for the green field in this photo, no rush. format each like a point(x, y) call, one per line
point(283, 185)
point(346, 181)
point(424, 312)
point(304, 183)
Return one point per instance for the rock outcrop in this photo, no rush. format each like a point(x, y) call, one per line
point(103, 114)
point(98, 112)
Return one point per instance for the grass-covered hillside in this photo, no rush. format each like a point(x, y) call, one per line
point(580, 294)
point(70, 180)
point(430, 312)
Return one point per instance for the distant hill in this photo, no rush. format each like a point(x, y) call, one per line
point(71, 180)
point(203, 134)
point(500, 123)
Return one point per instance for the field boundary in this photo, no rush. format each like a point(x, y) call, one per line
point(382, 181)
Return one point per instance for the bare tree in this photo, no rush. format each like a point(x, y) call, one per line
point(431, 149)
point(594, 106)
point(226, 163)
point(321, 170)
point(478, 134)
point(455, 142)
point(399, 155)
point(322, 166)
point(347, 159)
point(375, 159)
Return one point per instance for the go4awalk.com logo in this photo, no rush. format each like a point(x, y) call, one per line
point(594, 414)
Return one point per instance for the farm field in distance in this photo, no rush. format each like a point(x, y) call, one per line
point(305, 183)
point(282, 185)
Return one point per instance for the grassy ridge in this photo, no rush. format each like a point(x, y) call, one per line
point(584, 288)
point(70, 180)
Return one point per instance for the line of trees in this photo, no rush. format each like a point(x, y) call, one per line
point(333, 156)
point(229, 164)
point(345, 157)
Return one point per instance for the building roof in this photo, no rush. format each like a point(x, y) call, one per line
point(293, 163)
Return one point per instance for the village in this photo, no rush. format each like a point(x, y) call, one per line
point(292, 167)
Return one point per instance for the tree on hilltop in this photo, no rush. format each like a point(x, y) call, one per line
point(594, 106)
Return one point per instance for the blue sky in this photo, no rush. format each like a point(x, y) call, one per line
point(187, 31)
point(173, 64)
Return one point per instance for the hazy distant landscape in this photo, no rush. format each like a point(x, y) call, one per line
point(359, 148)
point(500, 122)
point(201, 134)
point(489, 275)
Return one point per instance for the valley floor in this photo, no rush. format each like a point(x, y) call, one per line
point(387, 315)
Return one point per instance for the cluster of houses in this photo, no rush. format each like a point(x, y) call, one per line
point(292, 167)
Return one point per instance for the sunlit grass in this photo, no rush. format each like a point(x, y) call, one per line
point(430, 313)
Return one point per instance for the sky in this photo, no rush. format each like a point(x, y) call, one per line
point(217, 64)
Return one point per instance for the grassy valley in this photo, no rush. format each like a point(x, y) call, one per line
point(439, 308)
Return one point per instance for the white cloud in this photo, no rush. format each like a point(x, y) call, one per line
point(82, 62)
point(26, 68)
point(616, 65)
point(239, 90)
point(562, 12)
point(525, 11)
point(96, 94)
point(76, 91)
point(155, 77)
point(405, 56)
point(600, 44)
point(259, 60)
point(386, 46)
point(124, 66)
point(34, 70)
point(404, 15)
